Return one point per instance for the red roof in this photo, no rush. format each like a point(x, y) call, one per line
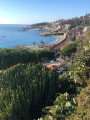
point(66, 44)
point(53, 67)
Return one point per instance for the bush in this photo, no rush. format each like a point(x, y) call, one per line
point(63, 106)
point(10, 57)
point(70, 48)
point(66, 84)
point(25, 90)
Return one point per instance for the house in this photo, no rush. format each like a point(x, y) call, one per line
point(86, 29)
point(80, 37)
point(67, 26)
point(58, 28)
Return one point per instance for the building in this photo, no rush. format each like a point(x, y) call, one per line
point(67, 26)
point(86, 29)
point(80, 37)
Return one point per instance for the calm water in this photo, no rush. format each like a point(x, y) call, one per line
point(10, 36)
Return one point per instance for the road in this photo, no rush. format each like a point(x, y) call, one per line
point(52, 62)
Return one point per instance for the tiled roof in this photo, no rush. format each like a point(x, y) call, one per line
point(66, 44)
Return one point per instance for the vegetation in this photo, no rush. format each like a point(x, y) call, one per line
point(40, 24)
point(70, 48)
point(63, 106)
point(25, 90)
point(10, 57)
point(34, 43)
point(74, 22)
point(67, 82)
point(42, 42)
point(73, 101)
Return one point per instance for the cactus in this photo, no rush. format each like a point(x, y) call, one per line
point(28, 89)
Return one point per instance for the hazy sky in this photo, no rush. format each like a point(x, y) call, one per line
point(33, 11)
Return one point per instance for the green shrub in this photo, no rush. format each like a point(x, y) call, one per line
point(70, 48)
point(63, 106)
point(66, 84)
point(25, 90)
point(10, 57)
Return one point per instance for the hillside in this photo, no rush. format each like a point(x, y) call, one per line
point(30, 91)
point(74, 22)
point(81, 21)
point(73, 91)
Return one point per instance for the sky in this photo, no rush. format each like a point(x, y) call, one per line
point(36, 11)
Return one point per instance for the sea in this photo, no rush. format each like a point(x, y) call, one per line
point(11, 36)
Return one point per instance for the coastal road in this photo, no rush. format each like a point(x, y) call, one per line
point(59, 42)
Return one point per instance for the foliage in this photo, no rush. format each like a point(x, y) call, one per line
point(74, 22)
point(34, 43)
point(83, 109)
point(39, 24)
point(67, 84)
point(82, 63)
point(77, 83)
point(25, 90)
point(63, 106)
point(73, 38)
point(42, 42)
point(44, 54)
point(81, 72)
point(70, 48)
point(10, 57)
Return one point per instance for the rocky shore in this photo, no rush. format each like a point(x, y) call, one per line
point(45, 34)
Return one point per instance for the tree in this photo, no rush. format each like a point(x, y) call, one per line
point(70, 48)
point(73, 38)
point(82, 62)
point(42, 42)
point(10, 57)
point(34, 43)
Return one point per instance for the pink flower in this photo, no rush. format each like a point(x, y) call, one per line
point(88, 90)
point(77, 115)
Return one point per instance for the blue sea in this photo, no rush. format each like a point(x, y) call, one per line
point(11, 36)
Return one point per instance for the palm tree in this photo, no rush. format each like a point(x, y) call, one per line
point(42, 42)
point(34, 43)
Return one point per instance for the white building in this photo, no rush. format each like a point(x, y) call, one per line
point(86, 29)
point(67, 26)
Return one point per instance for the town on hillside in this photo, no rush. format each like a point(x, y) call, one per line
point(73, 30)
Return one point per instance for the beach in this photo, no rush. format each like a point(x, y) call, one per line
point(59, 39)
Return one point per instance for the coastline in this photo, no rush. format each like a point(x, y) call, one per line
point(59, 39)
